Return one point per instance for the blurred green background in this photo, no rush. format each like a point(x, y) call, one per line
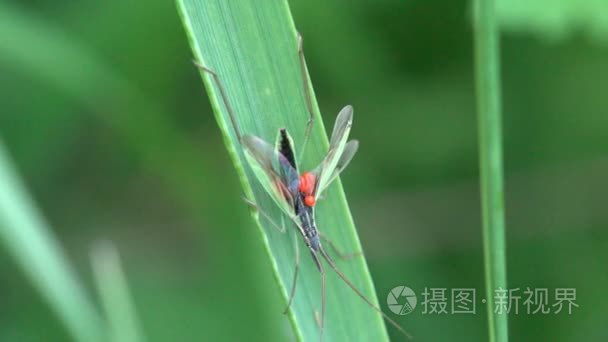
point(108, 124)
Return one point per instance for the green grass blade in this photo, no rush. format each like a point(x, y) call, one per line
point(252, 47)
point(30, 241)
point(490, 159)
point(123, 324)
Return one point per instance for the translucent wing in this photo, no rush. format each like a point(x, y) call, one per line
point(334, 162)
point(349, 151)
point(273, 171)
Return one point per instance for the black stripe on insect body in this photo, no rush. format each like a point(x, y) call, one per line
point(285, 146)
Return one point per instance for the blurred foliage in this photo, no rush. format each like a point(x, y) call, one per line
point(556, 19)
point(108, 123)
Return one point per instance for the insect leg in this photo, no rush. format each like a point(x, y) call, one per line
point(295, 274)
point(318, 318)
point(255, 207)
point(220, 86)
point(332, 264)
point(341, 255)
point(315, 257)
point(322, 303)
point(307, 94)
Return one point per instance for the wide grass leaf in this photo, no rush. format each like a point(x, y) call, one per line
point(252, 46)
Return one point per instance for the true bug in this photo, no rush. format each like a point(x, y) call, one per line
point(276, 168)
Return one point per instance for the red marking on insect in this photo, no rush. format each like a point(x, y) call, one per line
point(309, 200)
point(307, 186)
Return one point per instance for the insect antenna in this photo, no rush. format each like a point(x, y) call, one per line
point(220, 86)
point(307, 94)
point(332, 264)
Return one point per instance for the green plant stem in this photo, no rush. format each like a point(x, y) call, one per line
point(490, 160)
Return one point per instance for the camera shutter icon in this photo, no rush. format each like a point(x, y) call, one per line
point(401, 300)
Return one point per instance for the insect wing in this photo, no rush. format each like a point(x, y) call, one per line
point(349, 151)
point(272, 170)
point(326, 172)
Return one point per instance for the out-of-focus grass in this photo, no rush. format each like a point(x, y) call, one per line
point(123, 324)
point(555, 20)
point(31, 242)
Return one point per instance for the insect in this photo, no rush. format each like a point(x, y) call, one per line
point(276, 169)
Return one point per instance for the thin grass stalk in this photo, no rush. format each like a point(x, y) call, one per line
point(486, 39)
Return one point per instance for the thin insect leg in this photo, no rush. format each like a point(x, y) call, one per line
point(332, 264)
point(220, 86)
point(295, 274)
point(307, 94)
point(341, 255)
point(255, 207)
point(322, 271)
point(317, 261)
point(322, 303)
point(317, 318)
